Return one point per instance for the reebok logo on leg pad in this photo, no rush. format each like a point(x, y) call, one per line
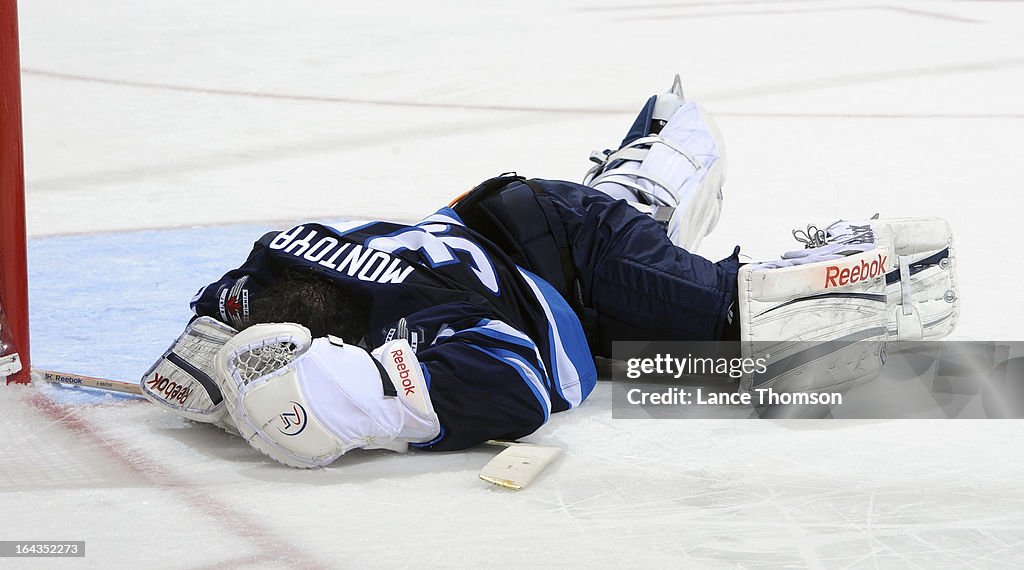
point(837, 276)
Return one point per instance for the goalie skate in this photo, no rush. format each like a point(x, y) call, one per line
point(671, 165)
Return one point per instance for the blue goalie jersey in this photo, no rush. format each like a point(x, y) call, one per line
point(500, 348)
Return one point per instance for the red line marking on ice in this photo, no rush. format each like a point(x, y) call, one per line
point(789, 88)
point(790, 11)
point(709, 4)
point(240, 562)
point(315, 98)
point(270, 547)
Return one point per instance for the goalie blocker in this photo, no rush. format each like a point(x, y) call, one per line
point(823, 325)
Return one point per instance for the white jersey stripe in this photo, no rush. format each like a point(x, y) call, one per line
point(565, 374)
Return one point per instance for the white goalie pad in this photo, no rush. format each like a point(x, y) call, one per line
point(182, 380)
point(305, 402)
point(824, 324)
point(674, 176)
point(817, 326)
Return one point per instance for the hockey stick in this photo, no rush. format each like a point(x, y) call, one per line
point(70, 379)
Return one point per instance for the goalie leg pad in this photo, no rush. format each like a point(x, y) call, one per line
point(674, 176)
point(182, 380)
point(700, 197)
point(906, 285)
point(818, 326)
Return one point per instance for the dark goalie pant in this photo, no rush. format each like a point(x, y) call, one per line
point(614, 264)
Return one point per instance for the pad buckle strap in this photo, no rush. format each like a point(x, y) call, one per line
point(635, 151)
point(906, 288)
point(626, 179)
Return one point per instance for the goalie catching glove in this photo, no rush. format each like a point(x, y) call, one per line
point(304, 402)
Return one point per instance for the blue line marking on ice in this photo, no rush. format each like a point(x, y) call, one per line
point(109, 304)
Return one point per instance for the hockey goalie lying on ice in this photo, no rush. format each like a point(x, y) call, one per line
point(483, 319)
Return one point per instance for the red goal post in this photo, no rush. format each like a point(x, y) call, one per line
point(13, 262)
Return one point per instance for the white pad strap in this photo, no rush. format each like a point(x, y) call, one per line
point(627, 180)
point(923, 294)
point(906, 288)
point(626, 174)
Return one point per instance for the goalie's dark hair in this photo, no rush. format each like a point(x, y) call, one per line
point(314, 301)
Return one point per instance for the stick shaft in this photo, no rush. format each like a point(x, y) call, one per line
point(70, 379)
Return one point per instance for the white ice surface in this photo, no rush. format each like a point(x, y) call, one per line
point(162, 138)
